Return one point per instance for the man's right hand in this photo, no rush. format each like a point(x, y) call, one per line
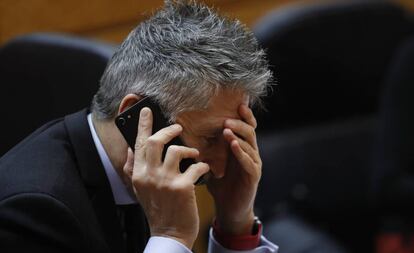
point(166, 195)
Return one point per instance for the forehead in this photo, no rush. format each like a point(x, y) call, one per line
point(223, 105)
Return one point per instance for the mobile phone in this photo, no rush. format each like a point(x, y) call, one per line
point(127, 123)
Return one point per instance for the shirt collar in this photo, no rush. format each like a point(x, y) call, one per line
point(122, 195)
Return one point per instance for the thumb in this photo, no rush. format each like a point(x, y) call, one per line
point(128, 167)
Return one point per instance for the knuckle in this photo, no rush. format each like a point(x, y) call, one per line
point(161, 186)
point(254, 123)
point(139, 144)
point(151, 182)
point(136, 179)
point(174, 150)
point(126, 169)
point(168, 133)
point(143, 181)
point(144, 123)
point(168, 187)
point(153, 142)
point(140, 173)
point(252, 131)
point(181, 186)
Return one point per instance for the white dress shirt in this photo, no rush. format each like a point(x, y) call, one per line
point(158, 244)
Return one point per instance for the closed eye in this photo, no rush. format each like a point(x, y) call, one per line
point(211, 139)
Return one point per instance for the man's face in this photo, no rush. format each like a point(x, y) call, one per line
point(203, 130)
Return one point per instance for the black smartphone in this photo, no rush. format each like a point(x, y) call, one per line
point(127, 123)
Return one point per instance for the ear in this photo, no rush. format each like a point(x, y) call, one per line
point(128, 101)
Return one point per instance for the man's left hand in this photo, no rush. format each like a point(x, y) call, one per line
point(235, 192)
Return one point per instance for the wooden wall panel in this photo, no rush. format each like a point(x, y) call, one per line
point(75, 16)
point(407, 3)
point(103, 19)
point(243, 10)
point(110, 20)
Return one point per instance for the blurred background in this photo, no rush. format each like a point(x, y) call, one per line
point(336, 140)
point(107, 20)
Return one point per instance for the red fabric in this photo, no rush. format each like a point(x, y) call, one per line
point(395, 243)
point(238, 242)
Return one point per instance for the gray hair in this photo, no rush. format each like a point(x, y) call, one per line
point(181, 57)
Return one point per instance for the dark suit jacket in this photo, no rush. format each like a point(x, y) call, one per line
point(54, 193)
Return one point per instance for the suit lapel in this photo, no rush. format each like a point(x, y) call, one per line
point(94, 178)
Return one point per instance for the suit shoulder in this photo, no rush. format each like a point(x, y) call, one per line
point(43, 162)
point(36, 228)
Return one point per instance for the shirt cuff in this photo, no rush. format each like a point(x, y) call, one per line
point(158, 244)
point(265, 246)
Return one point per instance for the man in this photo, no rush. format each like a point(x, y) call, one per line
point(73, 185)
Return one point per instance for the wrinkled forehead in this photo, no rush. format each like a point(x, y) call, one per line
point(227, 100)
point(223, 105)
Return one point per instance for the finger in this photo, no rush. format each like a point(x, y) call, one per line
point(129, 164)
point(242, 129)
point(196, 171)
point(175, 154)
point(230, 137)
point(244, 159)
point(128, 167)
point(155, 144)
point(144, 131)
point(247, 115)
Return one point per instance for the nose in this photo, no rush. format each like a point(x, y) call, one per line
point(217, 159)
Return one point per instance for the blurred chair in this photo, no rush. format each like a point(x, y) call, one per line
point(317, 137)
point(393, 173)
point(44, 76)
point(320, 174)
point(329, 59)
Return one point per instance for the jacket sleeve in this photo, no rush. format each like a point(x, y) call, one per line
point(37, 222)
point(265, 246)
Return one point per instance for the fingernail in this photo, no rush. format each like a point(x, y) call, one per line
point(177, 127)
